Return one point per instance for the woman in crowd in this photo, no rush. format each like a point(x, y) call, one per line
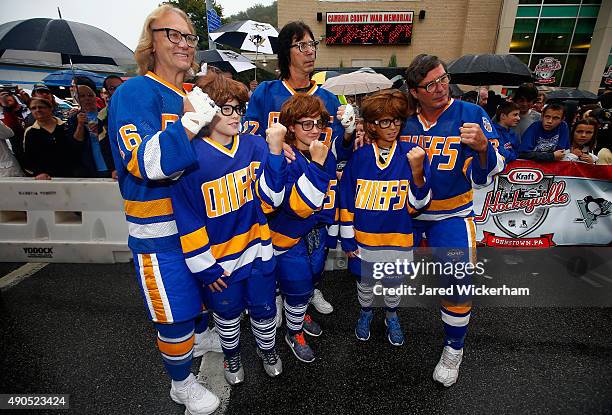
point(299, 228)
point(48, 149)
point(13, 116)
point(9, 167)
point(379, 186)
point(151, 124)
point(96, 157)
point(583, 140)
point(219, 205)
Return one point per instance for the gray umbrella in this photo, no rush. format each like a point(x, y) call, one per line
point(579, 95)
point(75, 42)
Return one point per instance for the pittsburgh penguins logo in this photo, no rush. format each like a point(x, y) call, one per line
point(487, 124)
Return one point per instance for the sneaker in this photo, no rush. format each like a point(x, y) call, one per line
point(362, 330)
point(279, 310)
point(299, 347)
point(311, 327)
point(447, 369)
point(197, 399)
point(271, 361)
point(207, 342)
point(319, 303)
point(394, 331)
point(232, 369)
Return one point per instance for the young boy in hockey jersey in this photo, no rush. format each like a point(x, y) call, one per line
point(548, 139)
point(507, 118)
point(219, 206)
point(380, 183)
point(298, 228)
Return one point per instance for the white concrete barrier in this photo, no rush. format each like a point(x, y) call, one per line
point(62, 220)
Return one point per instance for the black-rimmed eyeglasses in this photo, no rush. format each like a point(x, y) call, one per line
point(175, 36)
point(305, 46)
point(431, 86)
point(386, 122)
point(228, 110)
point(309, 124)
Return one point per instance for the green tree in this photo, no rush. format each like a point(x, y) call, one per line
point(259, 13)
point(196, 10)
point(393, 61)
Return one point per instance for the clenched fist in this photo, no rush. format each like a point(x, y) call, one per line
point(416, 157)
point(275, 137)
point(472, 136)
point(318, 151)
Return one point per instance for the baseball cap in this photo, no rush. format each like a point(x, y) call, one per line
point(40, 87)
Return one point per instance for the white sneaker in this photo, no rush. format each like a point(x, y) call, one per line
point(197, 399)
point(207, 342)
point(319, 303)
point(279, 310)
point(447, 369)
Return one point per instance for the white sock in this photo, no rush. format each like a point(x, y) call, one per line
point(182, 383)
point(199, 337)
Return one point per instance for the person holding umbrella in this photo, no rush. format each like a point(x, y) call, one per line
point(456, 135)
point(297, 53)
point(152, 121)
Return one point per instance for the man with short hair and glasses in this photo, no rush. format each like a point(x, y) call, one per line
point(455, 135)
point(297, 52)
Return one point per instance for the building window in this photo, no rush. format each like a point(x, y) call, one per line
point(557, 29)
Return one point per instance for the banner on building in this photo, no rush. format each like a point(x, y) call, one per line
point(369, 28)
point(539, 205)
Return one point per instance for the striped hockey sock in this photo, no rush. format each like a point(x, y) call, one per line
point(294, 315)
point(264, 332)
point(229, 333)
point(365, 295)
point(175, 342)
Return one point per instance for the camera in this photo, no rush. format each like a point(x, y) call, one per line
point(11, 89)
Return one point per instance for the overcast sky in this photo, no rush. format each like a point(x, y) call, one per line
point(121, 18)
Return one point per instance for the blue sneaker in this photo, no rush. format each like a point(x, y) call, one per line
point(362, 330)
point(394, 331)
point(311, 327)
point(299, 347)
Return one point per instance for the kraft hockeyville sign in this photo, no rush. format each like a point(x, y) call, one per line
point(369, 28)
point(540, 205)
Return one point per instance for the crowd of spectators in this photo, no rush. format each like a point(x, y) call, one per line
point(38, 139)
point(531, 128)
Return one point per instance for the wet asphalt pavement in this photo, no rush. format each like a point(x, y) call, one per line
point(81, 330)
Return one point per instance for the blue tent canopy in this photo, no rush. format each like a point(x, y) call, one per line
point(64, 78)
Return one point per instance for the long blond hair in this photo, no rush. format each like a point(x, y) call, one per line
point(145, 58)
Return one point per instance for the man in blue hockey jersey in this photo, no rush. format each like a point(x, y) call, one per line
point(297, 52)
point(151, 124)
point(455, 135)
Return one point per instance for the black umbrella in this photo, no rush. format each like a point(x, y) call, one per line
point(248, 35)
point(583, 97)
point(76, 42)
point(226, 60)
point(489, 69)
point(455, 91)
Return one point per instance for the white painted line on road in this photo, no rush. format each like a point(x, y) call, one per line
point(603, 277)
point(21, 273)
point(211, 376)
point(590, 281)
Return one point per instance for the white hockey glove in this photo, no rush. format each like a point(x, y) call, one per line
point(348, 119)
point(205, 110)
